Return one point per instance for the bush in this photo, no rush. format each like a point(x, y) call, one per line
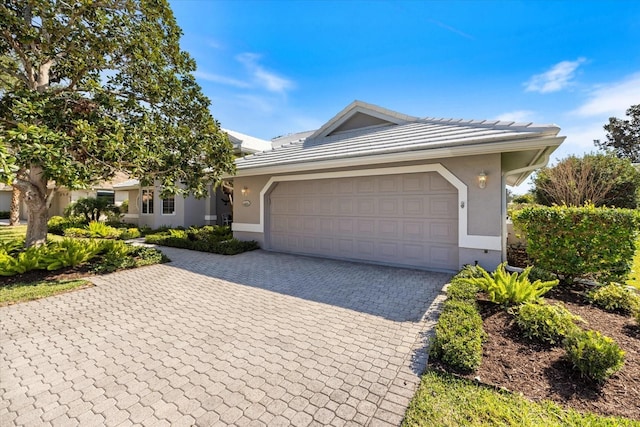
point(57, 224)
point(69, 253)
point(462, 291)
point(21, 262)
point(129, 233)
point(76, 232)
point(458, 336)
point(601, 179)
point(213, 239)
point(5, 214)
point(510, 288)
point(541, 274)
point(585, 241)
point(593, 355)
point(524, 199)
point(615, 297)
point(547, 323)
point(469, 271)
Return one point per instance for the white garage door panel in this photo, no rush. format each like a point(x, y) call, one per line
point(398, 219)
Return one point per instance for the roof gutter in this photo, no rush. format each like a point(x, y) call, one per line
point(524, 172)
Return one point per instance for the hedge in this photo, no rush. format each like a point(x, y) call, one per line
point(580, 241)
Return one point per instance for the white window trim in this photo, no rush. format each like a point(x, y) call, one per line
point(153, 200)
point(465, 240)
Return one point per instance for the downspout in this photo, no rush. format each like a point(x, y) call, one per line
point(545, 154)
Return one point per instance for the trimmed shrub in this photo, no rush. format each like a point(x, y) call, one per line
point(5, 214)
point(458, 336)
point(213, 239)
point(547, 323)
point(593, 355)
point(615, 297)
point(580, 241)
point(128, 233)
point(510, 288)
point(462, 291)
point(76, 232)
point(57, 224)
point(541, 274)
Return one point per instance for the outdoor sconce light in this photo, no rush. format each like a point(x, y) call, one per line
point(244, 190)
point(482, 179)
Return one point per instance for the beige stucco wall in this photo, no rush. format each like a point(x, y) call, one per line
point(483, 206)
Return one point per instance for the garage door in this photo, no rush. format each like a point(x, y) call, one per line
point(409, 219)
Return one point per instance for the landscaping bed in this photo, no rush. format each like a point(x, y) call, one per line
point(540, 371)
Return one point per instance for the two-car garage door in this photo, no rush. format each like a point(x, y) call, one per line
point(406, 219)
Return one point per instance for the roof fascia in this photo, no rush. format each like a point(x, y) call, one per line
point(407, 156)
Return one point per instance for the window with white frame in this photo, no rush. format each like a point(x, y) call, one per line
point(147, 201)
point(169, 206)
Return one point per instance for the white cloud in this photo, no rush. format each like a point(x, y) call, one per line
point(216, 78)
point(517, 116)
point(264, 78)
point(557, 78)
point(612, 99)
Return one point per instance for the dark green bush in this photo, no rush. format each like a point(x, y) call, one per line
point(593, 355)
point(458, 336)
point(213, 239)
point(57, 224)
point(469, 271)
point(4, 214)
point(541, 274)
point(615, 297)
point(547, 323)
point(580, 241)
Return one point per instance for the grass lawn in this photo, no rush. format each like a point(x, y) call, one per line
point(19, 232)
point(444, 400)
point(634, 277)
point(21, 292)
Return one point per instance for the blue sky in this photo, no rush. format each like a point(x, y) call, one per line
point(275, 67)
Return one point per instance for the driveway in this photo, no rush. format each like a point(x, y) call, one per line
point(254, 339)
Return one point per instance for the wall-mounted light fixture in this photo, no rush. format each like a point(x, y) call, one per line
point(244, 190)
point(482, 179)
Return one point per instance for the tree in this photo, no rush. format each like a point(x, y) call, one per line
point(601, 179)
point(7, 82)
point(623, 136)
point(102, 86)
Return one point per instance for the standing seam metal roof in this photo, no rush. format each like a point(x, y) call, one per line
point(422, 134)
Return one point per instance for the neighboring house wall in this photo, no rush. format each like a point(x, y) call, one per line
point(482, 210)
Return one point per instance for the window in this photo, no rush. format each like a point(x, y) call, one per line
point(147, 201)
point(108, 195)
point(169, 206)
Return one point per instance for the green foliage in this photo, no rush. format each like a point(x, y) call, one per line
point(615, 297)
point(70, 253)
point(469, 271)
point(101, 87)
point(91, 208)
point(76, 232)
point(4, 214)
point(58, 224)
point(623, 136)
point(541, 274)
point(462, 290)
point(444, 400)
point(27, 260)
point(118, 255)
point(510, 288)
point(545, 322)
point(458, 336)
point(593, 355)
point(102, 230)
point(601, 179)
point(524, 199)
point(581, 241)
point(129, 233)
point(215, 239)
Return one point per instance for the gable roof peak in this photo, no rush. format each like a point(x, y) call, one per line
point(358, 115)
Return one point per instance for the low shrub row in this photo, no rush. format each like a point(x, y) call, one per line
point(14, 259)
point(4, 214)
point(458, 333)
point(215, 239)
point(72, 227)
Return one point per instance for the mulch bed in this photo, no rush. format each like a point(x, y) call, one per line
point(68, 273)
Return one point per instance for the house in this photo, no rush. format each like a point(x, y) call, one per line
point(147, 208)
point(378, 186)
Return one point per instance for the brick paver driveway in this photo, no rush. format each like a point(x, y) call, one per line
point(255, 339)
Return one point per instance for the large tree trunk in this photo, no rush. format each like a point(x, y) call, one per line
point(33, 186)
point(14, 210)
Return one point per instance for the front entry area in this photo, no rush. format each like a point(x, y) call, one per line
point(406, 219)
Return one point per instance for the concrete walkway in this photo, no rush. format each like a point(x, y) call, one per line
point(254, 339)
